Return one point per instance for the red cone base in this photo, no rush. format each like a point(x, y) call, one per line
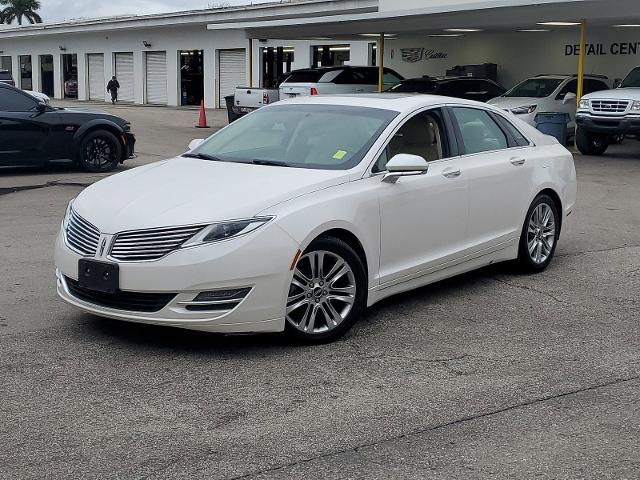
point(202, 121)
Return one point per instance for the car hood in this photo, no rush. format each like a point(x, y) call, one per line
point(630, 93)
point(185, 191)
point(507, 103)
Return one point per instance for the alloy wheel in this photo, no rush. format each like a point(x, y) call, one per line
point(100, 152)
point(322, 292)
point(541, 233)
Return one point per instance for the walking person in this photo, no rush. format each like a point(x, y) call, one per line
point(113, 87)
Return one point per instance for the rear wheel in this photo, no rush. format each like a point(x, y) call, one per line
point(590, 143)
point(540, 234)
point(327, 293)
point(100, 151)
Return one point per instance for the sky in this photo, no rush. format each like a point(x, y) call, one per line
point(53, 10)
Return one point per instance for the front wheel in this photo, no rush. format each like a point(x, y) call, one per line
point(100, 151)
point(590, 143)
point(327, 293)
point(540, 234)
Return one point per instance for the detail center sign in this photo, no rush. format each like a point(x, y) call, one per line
point(413, 55)
point(602, 49)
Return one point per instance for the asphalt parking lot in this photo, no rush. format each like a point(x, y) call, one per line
point(488, 375)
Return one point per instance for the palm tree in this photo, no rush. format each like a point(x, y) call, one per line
point(20, 9)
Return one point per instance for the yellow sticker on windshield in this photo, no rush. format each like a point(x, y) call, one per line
point(339, 154)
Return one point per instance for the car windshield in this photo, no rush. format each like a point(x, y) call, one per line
point(327, 137)
point(632, 80)
point(535, 88)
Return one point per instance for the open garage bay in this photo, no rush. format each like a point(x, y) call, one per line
point(488, 375)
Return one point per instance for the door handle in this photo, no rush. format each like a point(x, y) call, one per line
point(518, 162)
point(451, 173)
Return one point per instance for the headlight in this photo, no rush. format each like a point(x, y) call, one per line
point(524, 110)
point(635, 106)
point(225, 230)
point(584, 104)
point(65, 220)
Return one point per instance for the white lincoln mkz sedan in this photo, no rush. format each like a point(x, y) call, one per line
point(303, 213)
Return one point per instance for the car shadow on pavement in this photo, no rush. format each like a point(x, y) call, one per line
point(154, 337)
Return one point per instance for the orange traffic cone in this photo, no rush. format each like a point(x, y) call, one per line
point(202, 121)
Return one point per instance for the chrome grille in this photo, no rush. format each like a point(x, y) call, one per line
point(152, 244)
point(81, 235)
point(609, 106)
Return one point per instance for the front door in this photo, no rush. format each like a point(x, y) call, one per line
point(23, 130)
point(424, 217)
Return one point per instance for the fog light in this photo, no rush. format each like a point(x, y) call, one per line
point(222, 295)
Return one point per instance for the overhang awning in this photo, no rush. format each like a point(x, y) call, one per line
point(493, 15)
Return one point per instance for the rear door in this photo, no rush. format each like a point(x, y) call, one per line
point(498, 169)
point(24, 131)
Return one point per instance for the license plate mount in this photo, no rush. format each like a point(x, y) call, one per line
point(98, 276)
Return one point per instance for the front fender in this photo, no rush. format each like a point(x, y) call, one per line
point(91, 124)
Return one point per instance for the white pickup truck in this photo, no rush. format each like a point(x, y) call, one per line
point(343, 79)
point(608, 114)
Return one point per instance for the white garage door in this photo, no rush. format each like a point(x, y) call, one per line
point(124, 73)
point(157, 78)
point(232, 72)
point(97, 87)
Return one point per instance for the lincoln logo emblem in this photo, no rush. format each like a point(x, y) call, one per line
point(102, 245)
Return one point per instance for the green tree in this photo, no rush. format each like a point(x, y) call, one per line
point(19, 10)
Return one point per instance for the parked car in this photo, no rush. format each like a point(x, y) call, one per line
point(303, 213)
point(71, 88)
point(6, 78)
point(313, 81)
point(34, 133)
point(332, 80)
point(479, 89)
point(606, 116)
point(41, 97)
point(548, 94)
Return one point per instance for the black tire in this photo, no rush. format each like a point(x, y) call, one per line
point(590, 143)
point(325, 248)
point(527, 261)
point(100, 151)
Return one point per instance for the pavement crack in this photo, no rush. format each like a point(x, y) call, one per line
point(531, 289)
point(452, 423)
point(597, 250)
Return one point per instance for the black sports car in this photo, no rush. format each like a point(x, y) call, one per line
point(470, 88)
point(34, 133)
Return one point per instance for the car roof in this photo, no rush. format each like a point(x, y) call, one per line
point(565, 77)
point(329, 69)
point(398, 102)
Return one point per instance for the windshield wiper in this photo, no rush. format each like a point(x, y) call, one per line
point(271, 163)
point(202, 156)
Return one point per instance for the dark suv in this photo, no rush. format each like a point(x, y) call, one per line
point(34, 133)
point(469, 88)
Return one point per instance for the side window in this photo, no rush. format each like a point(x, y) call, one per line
point(390, 77)
point(591, 86)
point(15, 101)
point(520, 139)
point(480, 133)
point(570, 87)
point(344, 78)
point(423, 135)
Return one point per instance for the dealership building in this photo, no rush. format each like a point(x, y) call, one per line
point(184, 57)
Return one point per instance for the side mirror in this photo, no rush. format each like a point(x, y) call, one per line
point(42, 107)
point(569, 97)
point(195, 142)
point(405, 165)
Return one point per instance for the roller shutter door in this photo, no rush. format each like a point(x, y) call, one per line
point(124, 73)
point(157, 78)
point(231, 72)
point(97, 87)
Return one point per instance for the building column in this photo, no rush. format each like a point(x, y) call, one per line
point(173, 78)
point(83, 77)
point(109, 71)
point(58, 84)
point(139, 76)
point(210, 80)
point(35, 73)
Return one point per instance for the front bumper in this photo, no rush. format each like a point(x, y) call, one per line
point(613, 125)
point(259, 262)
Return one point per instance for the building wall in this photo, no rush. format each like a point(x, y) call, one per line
point(614, 52)
point(170, 40)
